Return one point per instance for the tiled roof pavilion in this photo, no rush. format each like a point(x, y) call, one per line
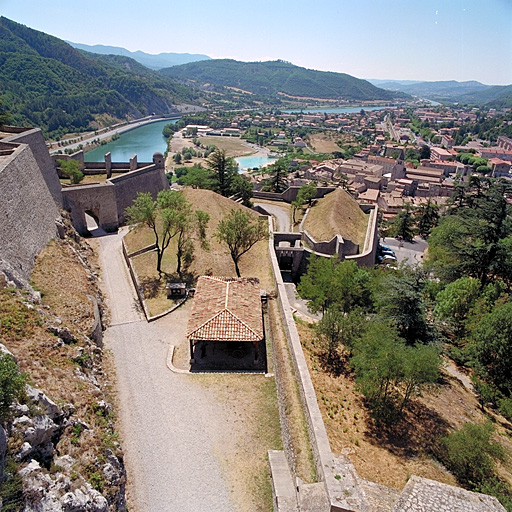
point(226, 309)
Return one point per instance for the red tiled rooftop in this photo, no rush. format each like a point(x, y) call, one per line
point(226, 309)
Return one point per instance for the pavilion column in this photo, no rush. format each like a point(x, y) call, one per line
point(191, 352)
point(256, 352)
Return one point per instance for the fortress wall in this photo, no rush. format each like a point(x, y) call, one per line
point(98, 199)
point(148, 179)
point(46, 165)
point(27, 208)
point(290, 194)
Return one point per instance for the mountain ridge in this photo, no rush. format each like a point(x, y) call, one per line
point(47, 83)
point(272, 77)
point(150, 60)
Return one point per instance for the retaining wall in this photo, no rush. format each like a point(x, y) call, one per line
point(290, 194)
point(148, 179)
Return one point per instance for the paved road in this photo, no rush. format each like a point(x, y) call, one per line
point(300, 305)
point(171, 427)
point(281, 216)
point(410, 251)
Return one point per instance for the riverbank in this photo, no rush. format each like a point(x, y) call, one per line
point(234, 147)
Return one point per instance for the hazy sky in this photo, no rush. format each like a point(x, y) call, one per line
point(395, 39)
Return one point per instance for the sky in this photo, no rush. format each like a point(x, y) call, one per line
point(380, 39)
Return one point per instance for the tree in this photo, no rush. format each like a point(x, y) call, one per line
point(243, 188)
point(196, 177)
point(469, 240)
point(224, 170)
point(12, 385)
point(336, 328)
point(454, 303)
point(189, 226)
point(278, 173)
point(307, 193)
point(330, 283)
point(427, 217)
point(469, 453)
point(492, 346)
point(402, 225)
point(240, 231)
point(169, 216)
point(425, 152)
point(388, 371)
point(70, 168)
point(5, 116)
point(400, 302)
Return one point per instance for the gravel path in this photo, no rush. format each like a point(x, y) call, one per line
point(172, 428)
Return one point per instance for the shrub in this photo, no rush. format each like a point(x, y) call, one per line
point(470, 452)
point(12, 385)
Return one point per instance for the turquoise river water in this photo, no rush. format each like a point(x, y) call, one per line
point(143, 141)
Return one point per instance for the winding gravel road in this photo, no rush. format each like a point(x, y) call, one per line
point(171, 426)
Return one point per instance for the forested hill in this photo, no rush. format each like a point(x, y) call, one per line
point(498, 96)
point(47, 83)
point(274, 77)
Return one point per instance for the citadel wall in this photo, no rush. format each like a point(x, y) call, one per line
point(34, 138)
point(28, 210)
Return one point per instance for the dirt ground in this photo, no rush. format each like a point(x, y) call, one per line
point(325, 142)
point(390, 457)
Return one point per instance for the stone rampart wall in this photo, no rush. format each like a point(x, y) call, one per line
point(28, 210)
point(290, 194)
point(148, 179)
point(34, 138)
point(98, 199)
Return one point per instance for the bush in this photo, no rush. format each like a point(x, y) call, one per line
point(470, 452)
point(12, 385)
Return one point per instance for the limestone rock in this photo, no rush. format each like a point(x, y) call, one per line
point(80, 501)
point(47, 406)
point(38, 434)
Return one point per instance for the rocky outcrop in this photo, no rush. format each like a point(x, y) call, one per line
point(51, 482)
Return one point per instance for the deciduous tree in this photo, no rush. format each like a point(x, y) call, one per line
point(240, 231)
point(70, 168)
point(169, 216)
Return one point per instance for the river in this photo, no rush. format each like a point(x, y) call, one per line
point(334, 110)
point(143, 141)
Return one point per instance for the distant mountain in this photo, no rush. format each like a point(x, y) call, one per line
point(389, 84)
point(445, 90)
point(45, 82)
point(270, 79)
point(497, 96)
point(159, 61)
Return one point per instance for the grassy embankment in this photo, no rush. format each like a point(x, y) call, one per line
point(216, 261)
point(337, 213)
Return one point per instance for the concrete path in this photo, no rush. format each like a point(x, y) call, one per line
point(171, 426)
point(300, 305)
point(280, 215)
